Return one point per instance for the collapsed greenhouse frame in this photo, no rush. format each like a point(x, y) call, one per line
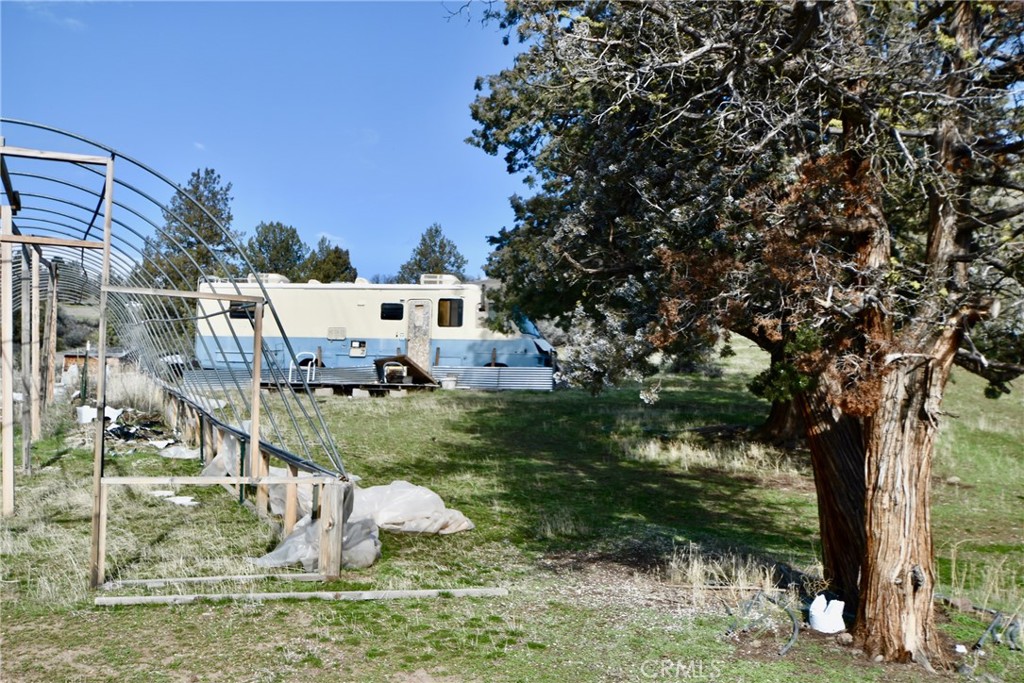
point(87, 217)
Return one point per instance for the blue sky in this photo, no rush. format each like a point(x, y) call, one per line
point(343, 119)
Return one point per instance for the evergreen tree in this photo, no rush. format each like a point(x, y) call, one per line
point(277, 248)
point(435, 253)
point(328, 263)
point(196, 238)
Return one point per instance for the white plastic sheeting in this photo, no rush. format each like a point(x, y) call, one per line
point(169, 497)
point(87, 414)
point(399, 506)
point(360, 547)
point(407, 508)
point(225, 463)
point(278, 492)
point(179, 452)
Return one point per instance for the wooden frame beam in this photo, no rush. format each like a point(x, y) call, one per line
point(332, 527)
point(102, 601)
point(24, 153)
point(161, 583)
point(291, 501)
point(50, 367)
point(52, 241)
point(216, 481)
point(257, 463)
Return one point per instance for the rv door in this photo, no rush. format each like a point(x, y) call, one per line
point(418, 335)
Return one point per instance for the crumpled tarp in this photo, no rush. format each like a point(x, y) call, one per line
point(407, 508)
point(360, 546)
point(399, 506)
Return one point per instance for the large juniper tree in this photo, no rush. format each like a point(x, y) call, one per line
point(838, 181)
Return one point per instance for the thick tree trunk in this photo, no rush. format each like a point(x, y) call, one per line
point(895, 618)
point(837, 458)
point(784, 425)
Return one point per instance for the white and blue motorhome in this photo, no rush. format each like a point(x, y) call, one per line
point(338, 330)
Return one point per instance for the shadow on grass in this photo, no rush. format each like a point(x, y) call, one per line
point(563, 485)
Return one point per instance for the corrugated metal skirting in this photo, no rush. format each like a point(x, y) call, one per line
point(498, 379)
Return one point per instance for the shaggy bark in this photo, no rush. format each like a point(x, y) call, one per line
point(895, 617)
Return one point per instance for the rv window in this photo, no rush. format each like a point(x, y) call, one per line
point(449, 313)
point(241, 309)
point(392, 311)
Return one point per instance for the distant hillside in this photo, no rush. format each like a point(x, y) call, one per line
point(77, 324)
point(86, 313)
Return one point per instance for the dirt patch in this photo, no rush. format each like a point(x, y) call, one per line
point(594, 581)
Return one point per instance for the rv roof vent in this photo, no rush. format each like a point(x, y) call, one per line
point(436, 279)
point(268, 278)
point(362, 281)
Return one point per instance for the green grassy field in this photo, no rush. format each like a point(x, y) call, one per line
point(629, 538)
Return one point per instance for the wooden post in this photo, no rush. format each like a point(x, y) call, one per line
point(217, 435)
point(291, 500)
point(191, 422)
point(244, 466)
point(255, 457)
point(26, 361)
point(203, 459)
point(50, 367)
point(171, 412)
point(332, 527)
point(33, 405)
point(83, 382)
point(101, 539)
point(7, 358)
point(264, 491)
point(96, 568)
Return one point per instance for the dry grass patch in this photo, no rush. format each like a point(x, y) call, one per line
point(690, 453)
point(718, 574)
point(130, 388)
